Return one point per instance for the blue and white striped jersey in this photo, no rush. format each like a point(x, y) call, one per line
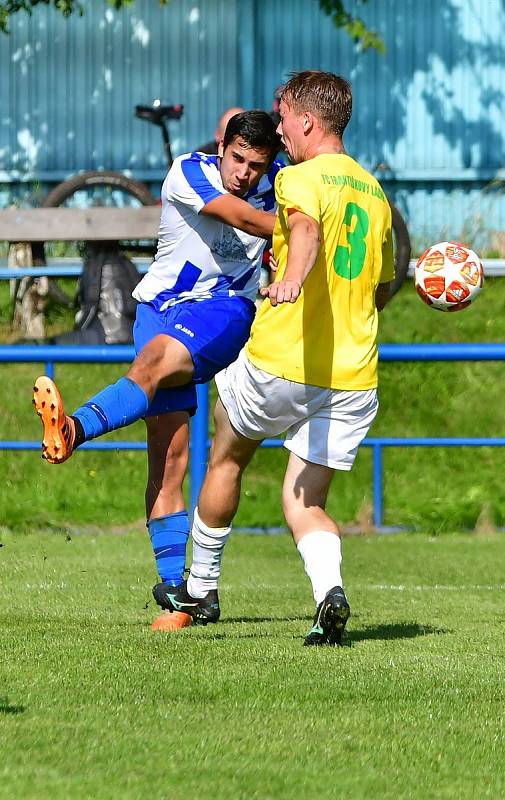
point(198, 256)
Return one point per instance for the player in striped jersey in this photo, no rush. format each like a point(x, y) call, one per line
point(196, 306)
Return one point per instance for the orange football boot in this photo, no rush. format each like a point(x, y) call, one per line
point(59, 430)
point(174, 621)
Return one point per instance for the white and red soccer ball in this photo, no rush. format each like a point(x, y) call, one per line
point(448, 276)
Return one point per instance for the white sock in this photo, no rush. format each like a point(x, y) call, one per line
point(208, 546)
point(321, 554)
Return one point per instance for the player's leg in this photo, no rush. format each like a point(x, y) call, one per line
point(185, 342)
point(217, 505)
point(168, 524)
point(218, 329)
point(252, 405)
point(229, 456)
point(168, 455)
point(161, 359)
point(218, 502)
point(327, 439)
point(317, 538)
point(164, 361)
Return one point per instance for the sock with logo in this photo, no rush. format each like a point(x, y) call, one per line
point(116, 406)
point(169, 535)
point(208, 546)
point(322, 556)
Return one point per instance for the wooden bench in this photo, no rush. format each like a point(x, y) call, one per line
point(79, 224)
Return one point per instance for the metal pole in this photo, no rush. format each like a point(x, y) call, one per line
point(377, 485)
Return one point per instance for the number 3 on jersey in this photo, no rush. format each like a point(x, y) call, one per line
point(349, 258)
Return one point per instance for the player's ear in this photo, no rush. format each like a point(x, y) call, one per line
point(308, 122)
point(220, 148)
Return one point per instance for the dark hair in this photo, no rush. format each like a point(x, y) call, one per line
point(256, 128)
point(327, 96)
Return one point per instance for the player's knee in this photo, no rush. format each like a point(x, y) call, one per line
point(152, 355)
point(296, 507)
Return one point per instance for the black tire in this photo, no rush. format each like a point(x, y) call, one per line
point(87, 180)
point(402, 249)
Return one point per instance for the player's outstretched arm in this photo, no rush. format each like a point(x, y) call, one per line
point(240, 214)
point(303, 248)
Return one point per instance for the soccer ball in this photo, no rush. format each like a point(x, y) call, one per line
point(448, 276)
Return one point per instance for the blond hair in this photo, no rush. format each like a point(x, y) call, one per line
point(325, 95)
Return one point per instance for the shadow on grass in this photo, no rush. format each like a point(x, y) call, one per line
point(399, 630)
point(298, 618)
point(8, 708)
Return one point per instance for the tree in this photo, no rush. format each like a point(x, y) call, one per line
point(350, 23)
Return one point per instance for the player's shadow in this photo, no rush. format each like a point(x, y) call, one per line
point(298, 618)
point(398, 630)
point(10, 708)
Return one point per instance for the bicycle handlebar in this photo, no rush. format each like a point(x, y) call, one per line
point(157, 114)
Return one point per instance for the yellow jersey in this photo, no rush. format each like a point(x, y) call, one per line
point(328, 336)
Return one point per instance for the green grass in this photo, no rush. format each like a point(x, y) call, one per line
point(94, 705)
point(430, 489)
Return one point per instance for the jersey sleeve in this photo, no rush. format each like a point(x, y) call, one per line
point(193, 181)
point(297, 191)
point(388, 262)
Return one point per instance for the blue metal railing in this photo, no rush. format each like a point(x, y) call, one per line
point(62, 268)
point(68, 267)
point(199, 443)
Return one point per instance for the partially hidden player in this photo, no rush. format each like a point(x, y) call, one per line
point(196, 306)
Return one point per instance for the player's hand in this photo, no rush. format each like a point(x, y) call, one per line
point(285, 291)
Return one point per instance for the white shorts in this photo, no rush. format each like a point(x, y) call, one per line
point(324, 426)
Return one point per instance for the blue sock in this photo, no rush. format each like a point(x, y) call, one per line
point(168, 539)
point(114, 407)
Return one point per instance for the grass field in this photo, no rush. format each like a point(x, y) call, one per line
point(94, 705)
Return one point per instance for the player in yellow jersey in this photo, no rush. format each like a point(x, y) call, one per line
point(310, 366)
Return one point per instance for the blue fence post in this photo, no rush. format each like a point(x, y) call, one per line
point(377, 485)
point(50, 369)
point(198, 444)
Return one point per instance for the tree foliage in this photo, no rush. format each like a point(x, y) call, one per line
point(9, 7)
point(66, 7)
point(352, 24)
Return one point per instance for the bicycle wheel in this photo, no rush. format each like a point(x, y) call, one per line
point(401, 242)
point(107, 188)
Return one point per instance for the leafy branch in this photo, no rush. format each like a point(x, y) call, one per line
point(353, 25)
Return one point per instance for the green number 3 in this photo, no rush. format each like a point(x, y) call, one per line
point(349, 259)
